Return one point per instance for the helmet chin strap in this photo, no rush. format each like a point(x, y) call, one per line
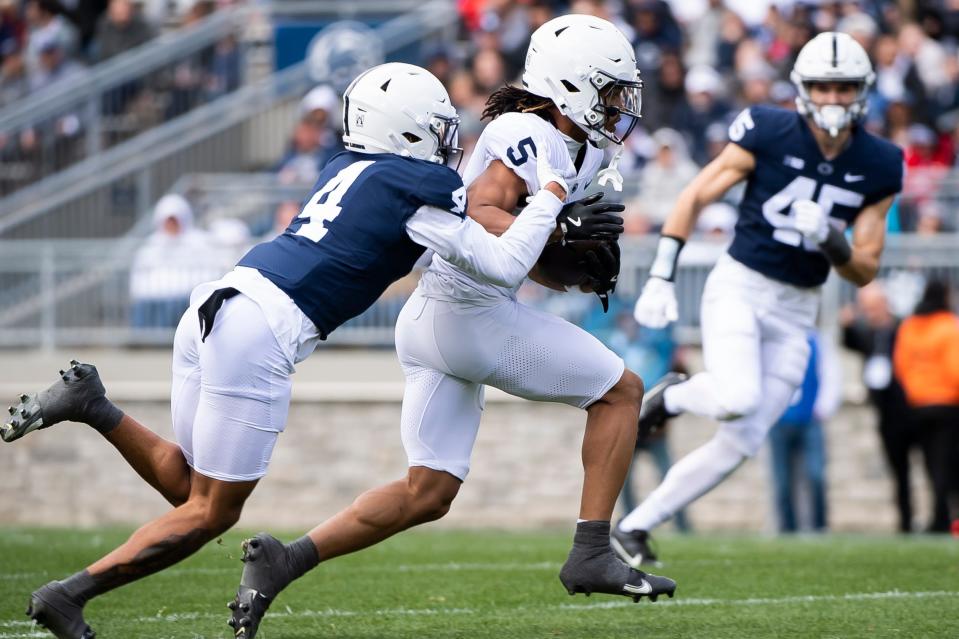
point(399, 148)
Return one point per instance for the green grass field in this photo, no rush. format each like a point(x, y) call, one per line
point(503, 585)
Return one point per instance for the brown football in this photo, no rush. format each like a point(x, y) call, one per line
point(565, 263)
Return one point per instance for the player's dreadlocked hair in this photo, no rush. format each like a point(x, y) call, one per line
point(509, 99)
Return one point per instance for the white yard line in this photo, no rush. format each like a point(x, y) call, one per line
point(426, 612)
point(775, 601)
point(336, 568)
point(414, 612)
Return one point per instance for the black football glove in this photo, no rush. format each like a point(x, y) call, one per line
point(602, 271)
point(591, 218)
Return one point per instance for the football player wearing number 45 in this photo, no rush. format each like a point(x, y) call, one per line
point(376, 208)
point(809, 176)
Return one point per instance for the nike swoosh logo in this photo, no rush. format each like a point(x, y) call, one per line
point(643, 588)
point(853, 178)
point(574, 221)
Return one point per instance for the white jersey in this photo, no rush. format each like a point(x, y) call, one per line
point(515, 139)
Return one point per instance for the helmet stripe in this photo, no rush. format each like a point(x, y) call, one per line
point(835, 52)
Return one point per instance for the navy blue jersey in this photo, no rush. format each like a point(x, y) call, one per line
point(790, 167)
point(350, 241)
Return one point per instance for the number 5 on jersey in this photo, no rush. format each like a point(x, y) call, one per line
point(526, 149)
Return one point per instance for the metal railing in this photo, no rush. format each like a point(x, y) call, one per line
point(76, 292)
point(102, 106)
point(105, 194)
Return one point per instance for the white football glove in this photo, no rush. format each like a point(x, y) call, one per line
point(546, 173)
point(657, 306)
point(811, 220)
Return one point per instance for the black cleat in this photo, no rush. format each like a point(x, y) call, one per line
point(265, 574)
point(54, 610)
point(634, 547)
point(606, 574)
point(69, 398)
point(653, 413)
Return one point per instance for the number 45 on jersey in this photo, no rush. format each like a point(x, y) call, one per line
point(804, 188)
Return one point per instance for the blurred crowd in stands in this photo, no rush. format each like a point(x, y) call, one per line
point(703, 61)
point(44, 41)
point(47, 42)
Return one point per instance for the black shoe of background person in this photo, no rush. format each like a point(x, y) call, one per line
point(634, 547)
point(653, 413)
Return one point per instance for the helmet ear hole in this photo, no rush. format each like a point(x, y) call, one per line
point(570, 86)
point(412, 138)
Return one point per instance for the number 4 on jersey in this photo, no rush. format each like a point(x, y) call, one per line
point(324, 206)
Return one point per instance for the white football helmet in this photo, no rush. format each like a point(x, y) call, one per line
point(587, 67)
point(832, 57)
point(403, 109)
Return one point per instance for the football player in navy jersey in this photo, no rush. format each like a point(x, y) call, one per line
point(376, 208)
point(809, 177)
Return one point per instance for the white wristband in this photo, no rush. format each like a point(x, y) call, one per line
point(667, 255)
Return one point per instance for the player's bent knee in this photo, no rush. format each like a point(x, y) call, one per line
point(178, 494)
point(736, 403)
point(432, 508)
point(214, 516)
point(425, 495)
point(432, 499)
point(737, 439)
point(628, 390)
point(221, 520)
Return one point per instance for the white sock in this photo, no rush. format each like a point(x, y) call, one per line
point(691, 477)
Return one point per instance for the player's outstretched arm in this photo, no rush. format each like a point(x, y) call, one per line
point(868, 239)
point(732, 165)
point(503, 260)
point(657, 306)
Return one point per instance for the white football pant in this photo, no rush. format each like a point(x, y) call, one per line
point(449, 350)
point(231, 393)
point(755, 352)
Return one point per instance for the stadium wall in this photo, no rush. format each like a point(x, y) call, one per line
point(343, 438)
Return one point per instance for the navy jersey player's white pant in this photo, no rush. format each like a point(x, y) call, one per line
point(755, 353)
point(231, 392)
point(754, 338)
point(449, 350)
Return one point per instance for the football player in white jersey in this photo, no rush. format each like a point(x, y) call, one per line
point(810, 175)
point(459, 332)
